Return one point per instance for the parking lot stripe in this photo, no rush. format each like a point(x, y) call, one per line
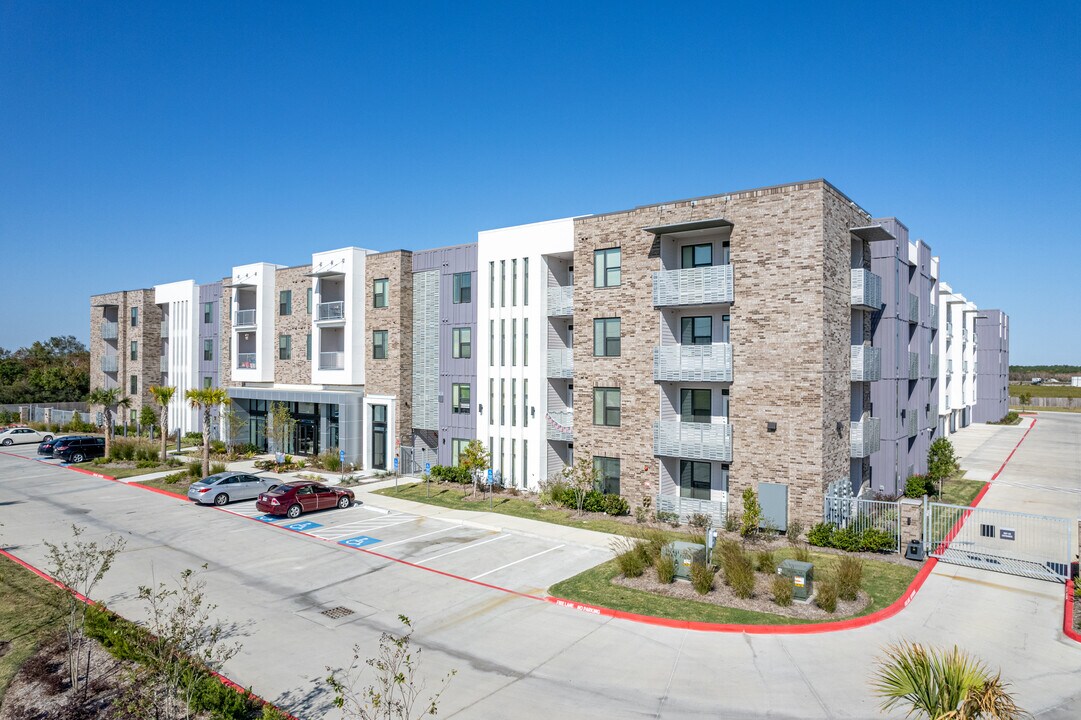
point(467, 547)
point(417, 537)
point(501, 567)
point(351, 528)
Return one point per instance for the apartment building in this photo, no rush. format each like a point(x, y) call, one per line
point(957, 392)
point(992, 365)
point(125, 347)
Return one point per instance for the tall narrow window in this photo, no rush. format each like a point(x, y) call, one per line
point(134, 349)
point(606, 337)
point(491, 404)
point(513, 401)
point(134, 385)
point(693, 256)
point(513, 458)
point(502, 401)
point(502, 457)
point(525, 402)
point(379, 344)
point(208, 382)
point(135, 317)
point(502, 343)
point(608, 472)
point(457, 447)
point(309, 302)
point(285, 302)
point(606, 267)
point(208, 350)
point(491, 284)
point(696, 330)
point(460, 400)
point(726, 253)
point(525, 341)
point(308, 347)
point(606, 406)
point(514, 342)
point(380, 290)
point(462, 291)
point(525, 294)
point(695, 405)
point(491, 343)
point(461, 343)
point(514, 282)
point(724, 404)
point(525, 462)
point(208, 313)
point(726, 324)
point(285, 347)
point(502, 283)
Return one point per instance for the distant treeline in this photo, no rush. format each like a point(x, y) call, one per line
point(57, 370)
point(1047, 369)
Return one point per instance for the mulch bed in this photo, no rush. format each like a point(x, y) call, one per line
point(761, 601)
point(1077, 612)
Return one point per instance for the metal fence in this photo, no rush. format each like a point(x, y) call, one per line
point(686, 507)
point(859, 514)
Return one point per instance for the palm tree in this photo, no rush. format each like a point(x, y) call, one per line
point(941, 685)
point(164, 395)
point(110, 400)
point(207, 399)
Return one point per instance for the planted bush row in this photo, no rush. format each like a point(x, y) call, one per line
point(869, 540)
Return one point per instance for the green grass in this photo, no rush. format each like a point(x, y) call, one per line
point(29, 614)
point(958, 491)
point(455, 498)
point(123, 472)
point(1033, 408)
point(178, 488)
point(1051, 391)
point(884, 582)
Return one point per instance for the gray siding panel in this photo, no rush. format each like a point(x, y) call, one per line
point(210, 331)
point(426, 350)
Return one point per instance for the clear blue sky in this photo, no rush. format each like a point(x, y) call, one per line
point(145, 142)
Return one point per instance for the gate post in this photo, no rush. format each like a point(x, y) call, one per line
point(911, 519)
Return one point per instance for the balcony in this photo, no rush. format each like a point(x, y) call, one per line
point(964, 367)
point(561, 363)
point(711, 285)
point(933, 322)
point(110, 330)
point(330, 311)
point(110, 363)
point(332, 360)
point(913, 308)
point(865, 436)
point(244, 318)
point(693, 440)
point(561, 425)
point(866, 363)
point(866, 290)
point(245, 361)
point(693, 363)
point(949, 368)
point(932, 365)
point(911, 424)
point(561, 301)
point(932, 416)
point(913, 366)
point(164, 328)
point(949, 330)
point(717, 511)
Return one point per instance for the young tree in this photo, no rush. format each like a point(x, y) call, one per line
point(394, 692)
point(280, 426)
point(147, 419)
point(476, 460)
point(752, 514)
point(110, 400)
point(207, 399)
point(941, 462)
point(163, 394)
point(583, 476)
point(1024, 398)
point(79, 566)
point(932, 684)
point(234, 424)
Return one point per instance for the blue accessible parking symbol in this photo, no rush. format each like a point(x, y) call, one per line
point(302, 526)
point(359, 541)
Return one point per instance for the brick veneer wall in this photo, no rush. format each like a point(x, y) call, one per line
point(394, 375)
point(298, 369)
point(147, 368)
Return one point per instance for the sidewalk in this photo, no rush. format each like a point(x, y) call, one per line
point(496, 522)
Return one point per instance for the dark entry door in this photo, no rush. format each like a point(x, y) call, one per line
point(379, 437)
point(307, 437)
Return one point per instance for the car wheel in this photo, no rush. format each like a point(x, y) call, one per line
point(77, 458)
point(47, 438)
point(293, 511)
point(221, 499)
point(7, 441)
point(344, 502)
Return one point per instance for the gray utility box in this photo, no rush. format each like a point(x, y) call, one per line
point(684, 554)
point(802, 574)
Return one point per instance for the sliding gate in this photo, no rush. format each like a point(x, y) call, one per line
point(1035, 546)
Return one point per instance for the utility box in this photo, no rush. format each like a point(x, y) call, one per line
point(684, 554)
point(802, 574)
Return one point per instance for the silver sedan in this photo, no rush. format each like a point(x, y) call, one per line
point(228, 486)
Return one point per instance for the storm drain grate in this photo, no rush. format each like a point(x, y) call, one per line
point(336, 613)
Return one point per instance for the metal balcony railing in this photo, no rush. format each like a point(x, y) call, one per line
point(932, 416)
point(711, 285)
point(245, 361)
point(561, 363)
point(110, 363)
point(913, 308)
point(244, 318)
point(334, 310)
point(866, 363)
point(561, 301)
point(933, 322)
point(865, 436)
point(911, 424)
point(332, 360)
point(932, 365)
point(164, 363)
point(866, 289)
point(164, 328)
point(716, 510)
point(110, 330)
point(693, 440)
point(913, 366)
point(693, 363)
point(560, 424)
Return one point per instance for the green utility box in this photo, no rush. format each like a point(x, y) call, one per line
point(685, 553)
point(802, 574)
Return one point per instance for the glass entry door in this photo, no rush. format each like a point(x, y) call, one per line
point(306, 437)
point(379, 437)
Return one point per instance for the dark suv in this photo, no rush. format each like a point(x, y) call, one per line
point(47, 446)
point(78, 450)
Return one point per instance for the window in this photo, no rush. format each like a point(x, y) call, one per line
point(606, 267)
point(525, 301)
point(379, 344)
point(463, 288)
point(726, 253)
point(461, 342)
point(514, 282)
point(208, 350)
point(491, 343)
point(491, 284)
point(134, 349)
point(502, 402)
point(285, 347)
point(726, 325)
point(525, 341)
point(134, 385)
point(457, 447)
point(606, 337)
point(502, 285)
point(309, 301)
point(696, 330)
point(514, 342)
point(459, 395)
point(502, 457)
point(525, 461)
point(608, 470)
point(208, 313)
point(502, 343)
point(514, 401)
point(379, 292)
point(208, 382)
point(693, 256)
point(491, 404)
point(513, 458)
point(308, 347)
point(606, 406)
point(694, 479)
point(695, 405)
point(525, 402)
point(135, 317)
point(285, 302)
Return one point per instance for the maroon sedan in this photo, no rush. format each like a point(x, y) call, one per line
point(293, 498)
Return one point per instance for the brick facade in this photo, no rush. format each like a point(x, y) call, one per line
point(116, 307)
point(394, 375)
point(297, 370)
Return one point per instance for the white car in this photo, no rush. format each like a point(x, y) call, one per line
point(23, 435)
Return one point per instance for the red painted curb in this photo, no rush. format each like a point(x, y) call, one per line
point(221, 678)
point(1004, 462)
point(1067, 614)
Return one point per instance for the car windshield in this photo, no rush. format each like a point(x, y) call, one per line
point(212, 480)
point(282, 489)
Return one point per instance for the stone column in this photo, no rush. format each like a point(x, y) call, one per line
point(911, 521)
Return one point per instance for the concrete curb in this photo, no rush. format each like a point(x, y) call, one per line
point(1067, 614)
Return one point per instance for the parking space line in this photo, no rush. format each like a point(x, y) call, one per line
point(351, 528)
point(467, 547)
point(501, 567)
point(417, 537)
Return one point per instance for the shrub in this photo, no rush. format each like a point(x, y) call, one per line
point(194, 435)
point(919, 485)
point(653, 542)
point(446, 473)
point(826, 596)
point(329, 461)
point(700, 521)
point(616, 505)
point(752, 513)
point(632, 558)
point(846, 539)
point(701, 577)
point(145, 463)
point(781, 589)
point(723, 550)
point(801, 553)
point(821, 535)
point(195, 469)
point(739, 574)
point(849, 575)
point(175, 478)
point(764, 561)
point(875, 540)
point(665, 565)
point(557, 492)
point(217, 446)
point(593, 502)
point(641, 514)
point(731, 522)
point(216, 468)
point(795, 529)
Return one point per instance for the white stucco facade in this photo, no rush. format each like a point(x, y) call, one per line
point(957, 359)
point(180, 347)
